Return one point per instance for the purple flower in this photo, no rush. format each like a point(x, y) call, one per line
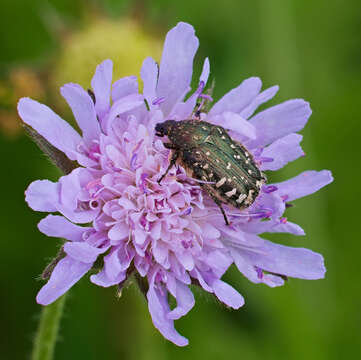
point(171, 234)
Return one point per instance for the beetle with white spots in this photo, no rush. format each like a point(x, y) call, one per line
point(228, 171)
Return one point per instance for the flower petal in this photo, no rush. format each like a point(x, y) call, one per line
point(235, 123)
point(279, 259)
point(176, 66)
point(282, 151)
point(49, 125)
point(261, 98)
point(304, 184)
point(159, 309)
point(239, 98)
point(101, 84)
point(83, 252)
point(205, 72)
point(249, 271)
point(124, 87)
point(118, 232)
point(112, 264)
point(280, 120)
point(83, 109)
point(43, 195)
point(227, 294)
point(59, 226)
point(121, 106)
point(185, 301)
point(65, 274)
point(101, 279)
point(149, 75)
point(71, 186)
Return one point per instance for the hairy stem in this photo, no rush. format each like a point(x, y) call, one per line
point(47, 333)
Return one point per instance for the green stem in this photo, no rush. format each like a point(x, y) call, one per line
point(47, 333)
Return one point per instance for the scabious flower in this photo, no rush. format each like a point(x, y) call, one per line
point(171, 234)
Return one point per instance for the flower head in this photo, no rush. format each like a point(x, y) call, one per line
point(172, 234)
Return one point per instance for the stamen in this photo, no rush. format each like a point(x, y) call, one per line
point(259, 272)
point(158, 101)
point(269, 189)
point(133, 161)
point(143, 178)
point(265, 159)
point(206, 97)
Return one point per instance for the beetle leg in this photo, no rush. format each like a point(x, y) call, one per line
point(221, 208)
point(171, 164)
point(170, 146)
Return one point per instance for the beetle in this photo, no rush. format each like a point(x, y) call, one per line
point(227, 170)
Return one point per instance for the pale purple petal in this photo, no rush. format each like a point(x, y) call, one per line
point(43, 195)
point(101, 279)
point(101, 84)
point(121, 106)
point(250, 271)
point(235, 123)
point(119, 231)
point(124, 87)
point(83, 109)
point(304, 184)
point(227, 294)
point(49, 125)
point(272, 226)
point(70, 194)
point(205, 72)
point(239, 98)
point(149, 75)
point(59, 226)
point(263, 97)
point(112, 264)
point(176, 66)
point(219, 262)
point(282, 151)
point(83, 252)
point(279, 259)
point(279, 121)
point(287, 227)
point(185, 301)
point(159, 309)
point(65, 274)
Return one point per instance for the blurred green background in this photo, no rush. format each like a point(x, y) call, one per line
point(312, 49)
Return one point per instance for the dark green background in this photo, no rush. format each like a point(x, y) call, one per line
point(312, 49)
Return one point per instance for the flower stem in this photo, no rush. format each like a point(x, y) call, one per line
point(47, 332)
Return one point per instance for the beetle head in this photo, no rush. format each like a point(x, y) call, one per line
point(164, 128)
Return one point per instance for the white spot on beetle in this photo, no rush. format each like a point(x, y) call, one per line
point(233, 146)
point(241, 198)
point(228, 166)
point(231, 193)
point(205, 166)
point(249, 171)
point(208, 153)
point(220, 182)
